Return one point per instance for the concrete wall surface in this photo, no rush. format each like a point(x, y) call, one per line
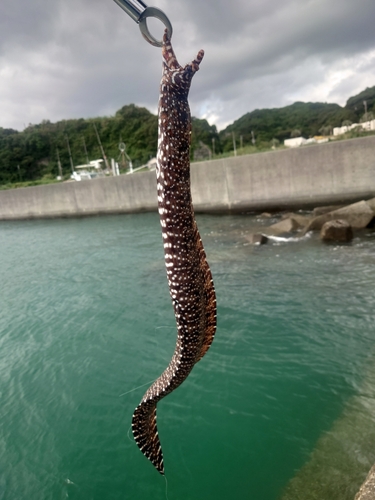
point(302, 177)
point(126, 193)
point(336, 172)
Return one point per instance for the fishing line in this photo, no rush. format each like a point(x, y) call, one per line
point(151, 381)
point(128, 434)
point(166, 488)
point(135, 388)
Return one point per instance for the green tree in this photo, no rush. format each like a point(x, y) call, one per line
point(367, 117)
point(295, 133)
point(356, 103)
point(203, 132)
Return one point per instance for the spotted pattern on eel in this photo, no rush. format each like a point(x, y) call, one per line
point(189, 277)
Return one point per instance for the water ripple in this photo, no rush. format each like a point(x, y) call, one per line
point(86, 317)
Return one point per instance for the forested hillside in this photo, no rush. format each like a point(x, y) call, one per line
point(356, 103)
point(32, 154)
point(279, 123)
point(306, 119)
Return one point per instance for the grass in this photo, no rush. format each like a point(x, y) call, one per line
point(39, 182)
point(246, 150)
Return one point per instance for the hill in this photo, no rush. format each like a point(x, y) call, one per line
point(308, 118)
point(356, 103)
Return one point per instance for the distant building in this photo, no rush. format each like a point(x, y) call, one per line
point(295, 142)
point(319, 139)
point(89, 171)
point(370, 125)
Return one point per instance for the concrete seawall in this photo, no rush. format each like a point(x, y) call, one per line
point(337, 172)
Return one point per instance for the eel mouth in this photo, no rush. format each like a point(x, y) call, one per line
point(170, 58)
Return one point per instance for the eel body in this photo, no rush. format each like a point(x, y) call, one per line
point(189, 277)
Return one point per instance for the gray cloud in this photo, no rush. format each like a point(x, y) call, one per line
point(85, 58)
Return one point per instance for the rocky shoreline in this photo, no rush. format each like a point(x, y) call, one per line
point(335, 223)
point(367, 490)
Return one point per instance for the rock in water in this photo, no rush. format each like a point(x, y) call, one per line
point(257, 239)
point(336, 230)
point(326, 210)
point(283, 227)
point(358, 215)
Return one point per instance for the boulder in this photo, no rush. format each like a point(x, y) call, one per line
point(336, 230)
point(359, 215)
point(302, 220)
point(289, 225)
point(265, 215)
point(371, 204)
point(325, 210)
point(257, 239)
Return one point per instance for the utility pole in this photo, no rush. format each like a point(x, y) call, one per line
point(101, 148)
point(241, 141)
point(123, 154)
point(365, 105)
point(59, 163)
point(19, 173)
point(213, 146)
point(252, 138)
point(84, 147)
point(234, 144)
point(70, 153)
point(122, 147)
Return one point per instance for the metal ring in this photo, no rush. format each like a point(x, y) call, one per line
point(154, 12)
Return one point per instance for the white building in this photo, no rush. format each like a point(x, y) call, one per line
point(370, 125)
point(294, 142)
point(87, 172)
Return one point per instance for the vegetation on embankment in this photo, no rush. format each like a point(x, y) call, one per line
point(30, 157)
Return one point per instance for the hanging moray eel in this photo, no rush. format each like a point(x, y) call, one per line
point(189, 277)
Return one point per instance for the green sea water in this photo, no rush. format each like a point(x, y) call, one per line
point(86, 319)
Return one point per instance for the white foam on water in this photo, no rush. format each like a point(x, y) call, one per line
point(292, 239)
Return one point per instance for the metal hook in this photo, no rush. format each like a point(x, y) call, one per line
point(139, 12)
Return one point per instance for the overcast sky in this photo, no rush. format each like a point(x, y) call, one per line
point(86, 58)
